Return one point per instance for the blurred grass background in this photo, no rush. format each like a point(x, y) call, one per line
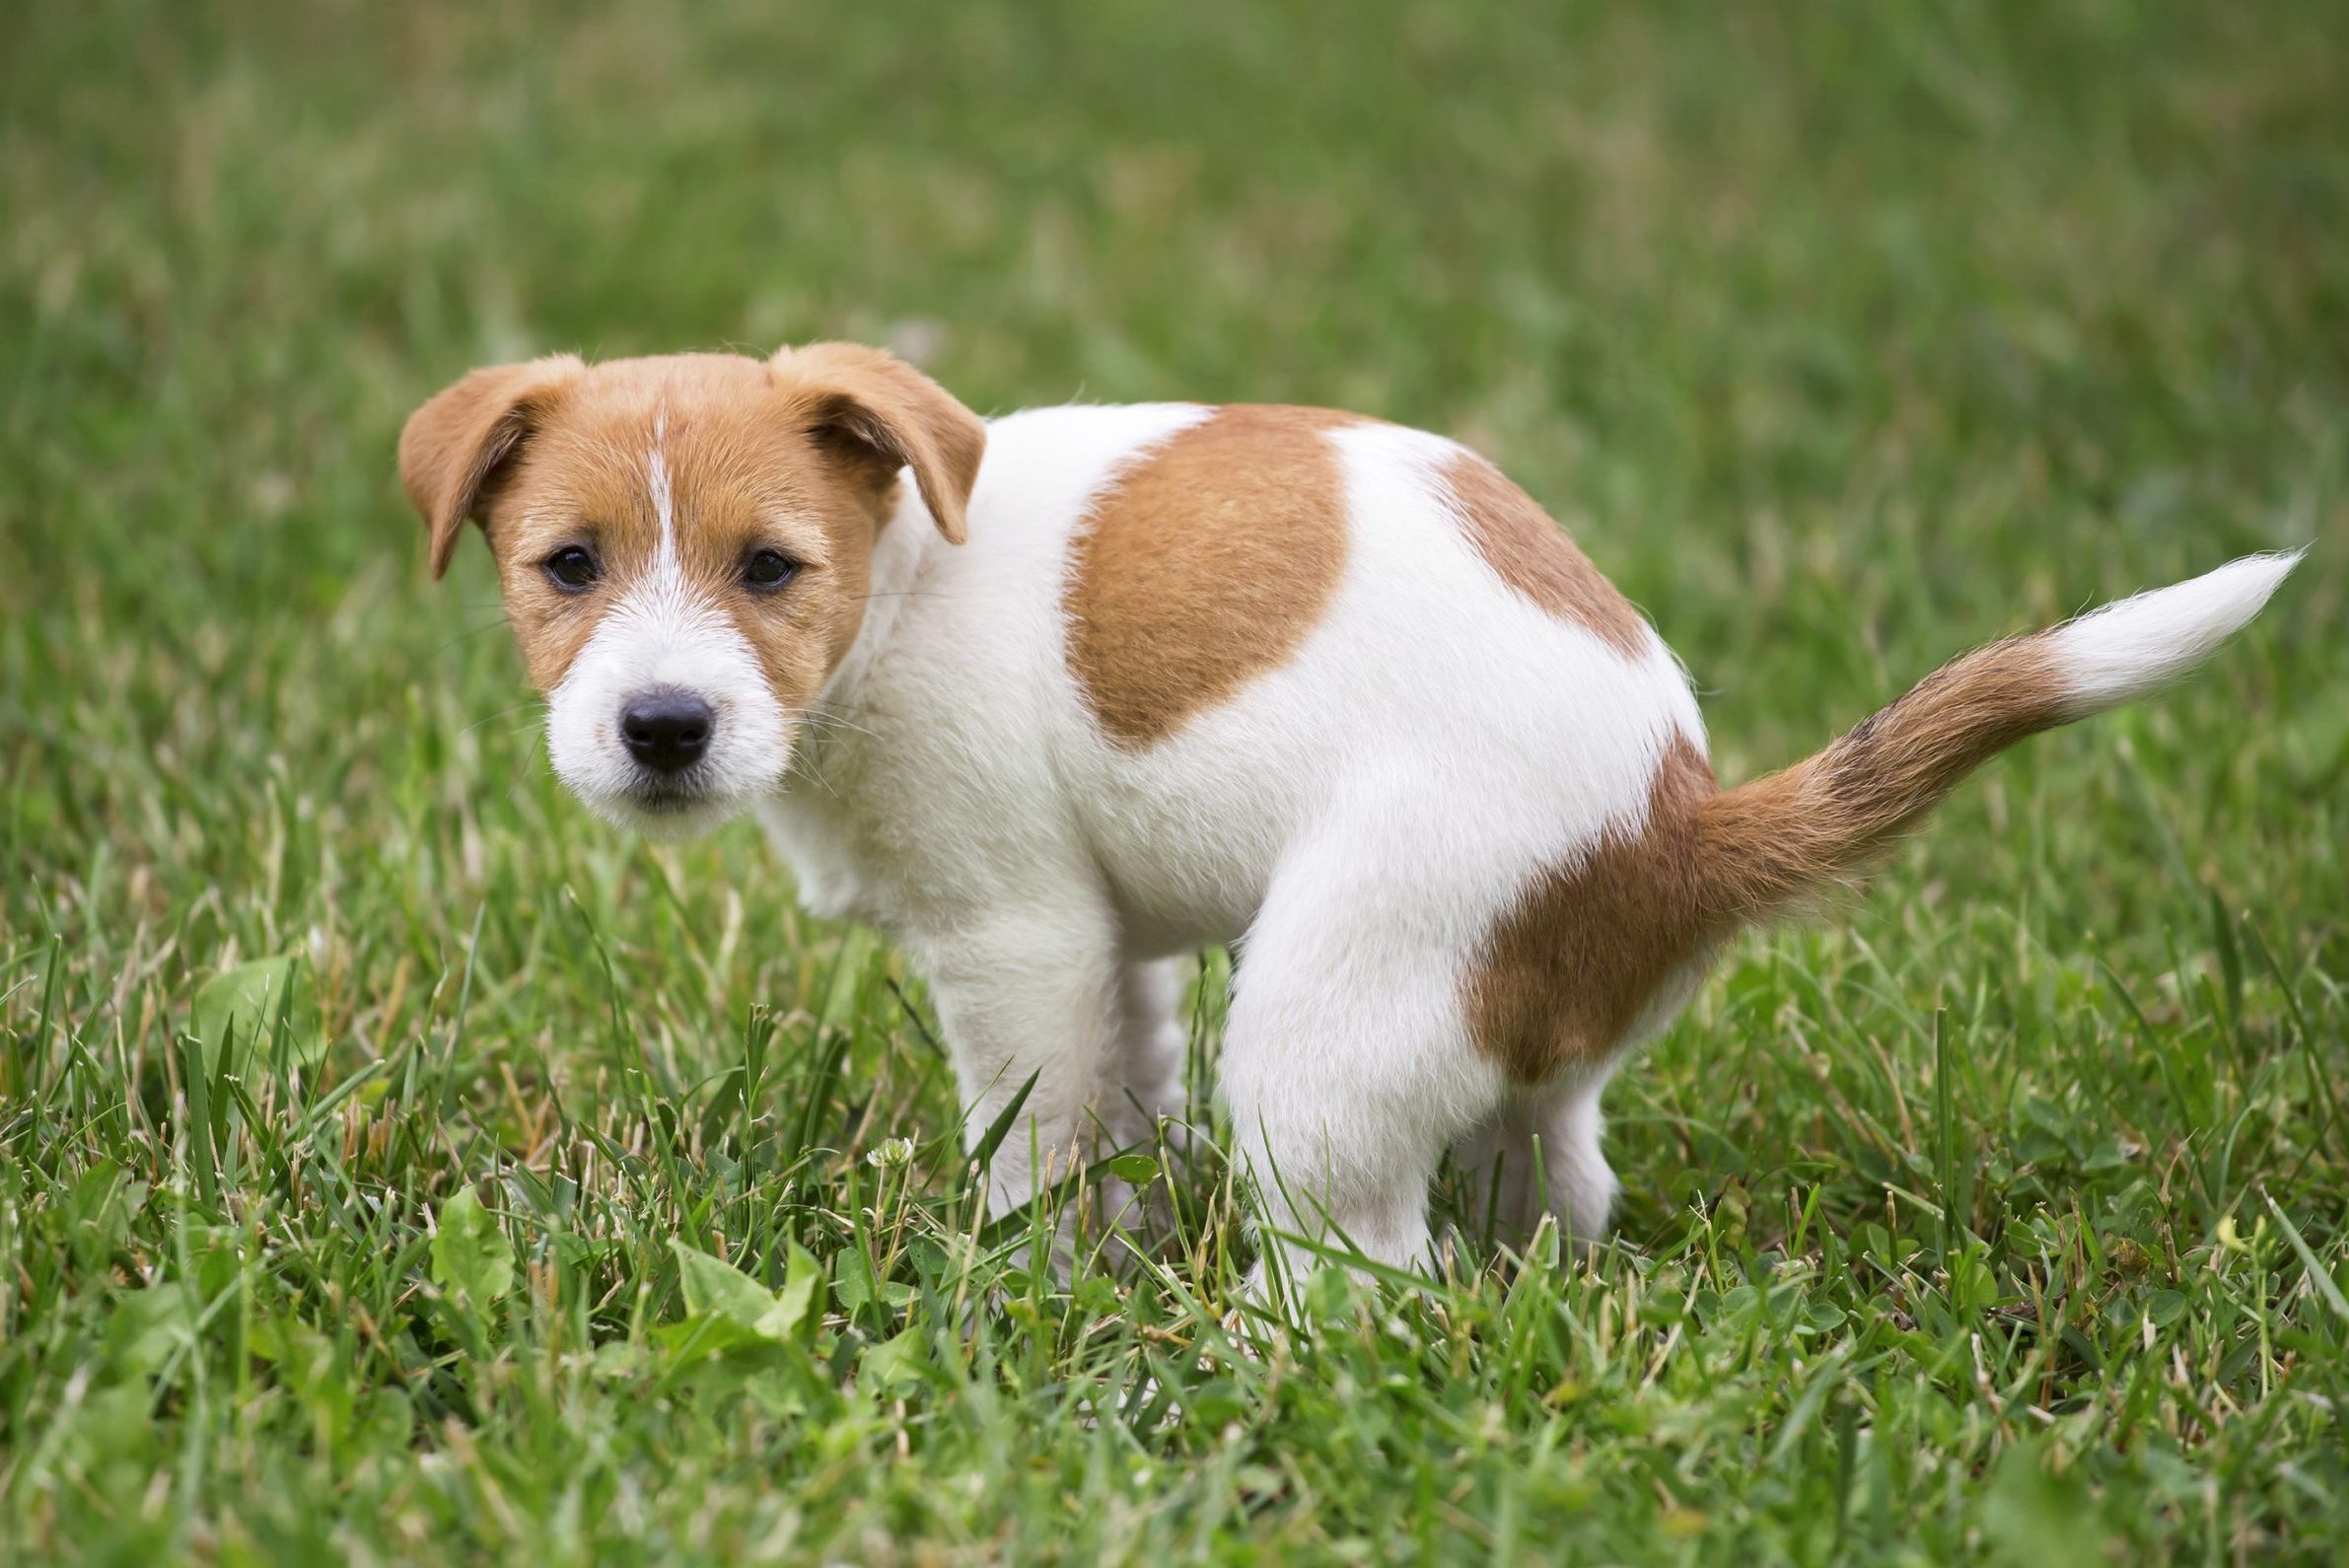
point(1844, 336)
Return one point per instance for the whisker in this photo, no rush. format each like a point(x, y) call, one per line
point(826, 724)
point(471, 632)
point(491, 717)
point(798, 769)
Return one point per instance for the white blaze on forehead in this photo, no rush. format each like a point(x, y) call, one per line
point(662, 633)
point(656, 470)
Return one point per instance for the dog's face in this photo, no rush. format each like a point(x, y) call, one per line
point(685, 546)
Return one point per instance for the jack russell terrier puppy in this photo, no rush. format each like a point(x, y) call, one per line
point(1102, 685)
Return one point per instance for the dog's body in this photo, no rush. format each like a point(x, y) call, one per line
point(1326, 685)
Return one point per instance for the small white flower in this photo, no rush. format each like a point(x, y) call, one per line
point(893, 1154)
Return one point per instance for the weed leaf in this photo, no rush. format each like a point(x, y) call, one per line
point(470, 1255)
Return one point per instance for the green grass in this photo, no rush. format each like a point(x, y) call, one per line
point(2006, 1216)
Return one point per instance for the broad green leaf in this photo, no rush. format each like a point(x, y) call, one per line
point(801, 1282)
point(853, 1279)
point(242, 1005)
point(697, 1336)
point(2034, 1515)
point(1134, 1167)
point(894, 1363)
point(717, 1288)
point(147, 1325)
point(470, 1255)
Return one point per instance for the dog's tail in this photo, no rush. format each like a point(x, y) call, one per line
point(1769, 847)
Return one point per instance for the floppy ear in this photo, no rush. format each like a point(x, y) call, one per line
point(454, 444)
point(877, 415)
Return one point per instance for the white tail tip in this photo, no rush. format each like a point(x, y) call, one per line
point(2133, 646)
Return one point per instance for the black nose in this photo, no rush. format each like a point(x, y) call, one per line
point(667, 730)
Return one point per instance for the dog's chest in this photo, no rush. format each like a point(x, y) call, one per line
point(822, 860)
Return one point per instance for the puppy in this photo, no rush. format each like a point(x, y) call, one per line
point(1055, 698)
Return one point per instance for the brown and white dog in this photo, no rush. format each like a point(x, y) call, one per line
point(1102, 685)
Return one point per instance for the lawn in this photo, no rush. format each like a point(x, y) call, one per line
point(395, 1164)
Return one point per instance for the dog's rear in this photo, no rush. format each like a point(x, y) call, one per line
point(1767, 846)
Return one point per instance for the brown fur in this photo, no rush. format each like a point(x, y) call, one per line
point(1588, 946)
point(799, 455)
point(454, 445)
point(873, 410)
point(1770, 844)
point(1534, 556)
point(1204, 565)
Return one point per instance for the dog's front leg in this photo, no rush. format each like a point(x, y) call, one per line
point(1031, 993)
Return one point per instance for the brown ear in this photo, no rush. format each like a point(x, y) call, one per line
point(881, 414)
point(455, 443)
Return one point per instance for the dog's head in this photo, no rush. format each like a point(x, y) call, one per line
point(685, 545)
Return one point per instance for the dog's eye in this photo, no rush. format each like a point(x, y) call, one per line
point(764, 571)
point(572, 569)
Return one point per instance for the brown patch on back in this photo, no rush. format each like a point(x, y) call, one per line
point(1534, 556)
point(1583, 953)
point(1204, 565)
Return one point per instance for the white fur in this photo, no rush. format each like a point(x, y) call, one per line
point(666, 635)
point(1357, 815)
point(2138, 644)
point(1356, 818)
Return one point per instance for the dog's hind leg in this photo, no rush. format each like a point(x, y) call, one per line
point(1541, 1156)
point(1347, 1067)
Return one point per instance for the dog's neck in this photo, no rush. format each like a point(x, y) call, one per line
point(898, 551)
point(812, 819)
